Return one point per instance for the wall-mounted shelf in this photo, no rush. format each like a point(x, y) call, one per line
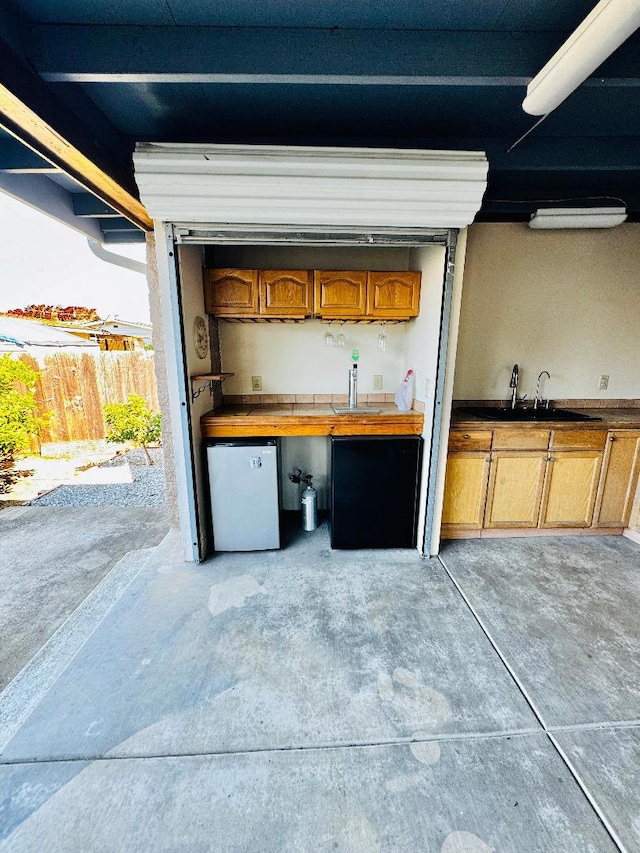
point(207, 380)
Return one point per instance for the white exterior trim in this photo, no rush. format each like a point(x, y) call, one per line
point(297, 187)
point(447, 396)
point(178, 391)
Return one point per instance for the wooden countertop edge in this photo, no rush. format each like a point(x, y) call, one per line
point(275, 430)
point(386, 423)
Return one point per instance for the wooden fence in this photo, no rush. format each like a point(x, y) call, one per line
point(73, 388)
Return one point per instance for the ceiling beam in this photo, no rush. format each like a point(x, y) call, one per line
point(42, 194)
point(112, 237)
point(211, 54)
point(161, 54)
point(87, 205)
point(18, 159)
point(549, 153)
point(119, 224)
point(31, 113)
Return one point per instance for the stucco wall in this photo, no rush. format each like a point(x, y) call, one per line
point(161, 379)
point(563, 301)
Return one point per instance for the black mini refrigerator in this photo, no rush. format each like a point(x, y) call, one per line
point(375, 483)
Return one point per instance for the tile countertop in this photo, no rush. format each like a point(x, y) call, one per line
point(615, 418)
point(237, 420)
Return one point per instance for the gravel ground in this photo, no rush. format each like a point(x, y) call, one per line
point(126, 480)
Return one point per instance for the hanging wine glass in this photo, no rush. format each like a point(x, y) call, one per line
point(329, 340)
point(382, 339)
point(342, 341)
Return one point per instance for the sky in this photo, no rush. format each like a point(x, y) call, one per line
point(45, 262)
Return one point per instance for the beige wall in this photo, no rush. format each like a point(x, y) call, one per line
point(563, 301)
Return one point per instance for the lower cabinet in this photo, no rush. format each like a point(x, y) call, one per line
point(515, 488)
point(570, 488)
point(619, 478)
point(586, 478)
point(466, 490)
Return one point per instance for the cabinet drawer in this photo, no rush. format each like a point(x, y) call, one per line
point(520, 439)
point(472, 440)
point(578, 439)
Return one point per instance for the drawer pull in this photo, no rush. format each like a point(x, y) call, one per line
point(466, 435)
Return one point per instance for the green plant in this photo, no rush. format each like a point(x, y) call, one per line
point(19, 423)
point(133, 421)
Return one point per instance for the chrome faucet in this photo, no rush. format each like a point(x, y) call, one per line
point(514, 385)
point(537, 397)
point(353, 386)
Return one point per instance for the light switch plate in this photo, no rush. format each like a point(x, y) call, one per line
point(377, 382)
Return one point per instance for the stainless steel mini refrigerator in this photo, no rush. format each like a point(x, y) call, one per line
point(243, 481)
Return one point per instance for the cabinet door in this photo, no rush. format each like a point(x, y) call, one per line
point(570, 488)
point(465, 491)
point(231, 292)
point(393, 294)
point(286, 293)
point(619, 479)
point(340, 294)
point(515, 488)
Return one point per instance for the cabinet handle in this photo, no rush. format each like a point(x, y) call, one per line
point(612, 438)
point(466, 435)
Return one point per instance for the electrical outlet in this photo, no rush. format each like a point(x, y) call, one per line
point(604, 383)
point(256, 383)
point(377, 382)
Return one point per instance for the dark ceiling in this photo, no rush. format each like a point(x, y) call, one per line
point(407, 74)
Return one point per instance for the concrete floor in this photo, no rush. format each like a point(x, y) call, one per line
point(52, 558)
point(311, 699)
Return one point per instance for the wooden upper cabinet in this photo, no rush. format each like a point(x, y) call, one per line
point(286, 293)
point(231, 292)
point(332, 294)
point(340, 294)
point(395, 295)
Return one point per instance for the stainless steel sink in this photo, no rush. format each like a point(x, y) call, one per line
point(506, 413)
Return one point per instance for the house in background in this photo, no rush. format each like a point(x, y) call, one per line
point(112, 334)
point(37, 339)
point(81, 85)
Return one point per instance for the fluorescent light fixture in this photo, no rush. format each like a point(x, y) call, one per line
point(578, 217)
point(601, 32)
